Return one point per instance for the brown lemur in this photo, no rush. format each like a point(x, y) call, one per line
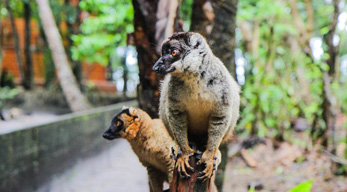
point(149, 140)
point(199, 99)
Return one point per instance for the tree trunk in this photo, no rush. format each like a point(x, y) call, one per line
point(29, 73)
point(329, 100)
point(16, 43)
point(153, 22)
point(199, 21)
point(125, 73)
point(68, 83)
point(222, 38)
point(192, 184)
point(217, 22)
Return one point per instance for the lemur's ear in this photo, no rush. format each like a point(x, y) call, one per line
point(133, 111)
point(195, 40)
point(124, 107)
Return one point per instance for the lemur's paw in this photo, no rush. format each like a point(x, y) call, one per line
point(182, 164)
point(210, 160)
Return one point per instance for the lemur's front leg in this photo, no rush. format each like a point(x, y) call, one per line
point(178, 126)
point(212, 156)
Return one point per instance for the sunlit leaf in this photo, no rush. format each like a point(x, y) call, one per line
point(303, 187)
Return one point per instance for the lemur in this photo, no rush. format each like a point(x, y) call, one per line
point(199, 99)
point(149, 140)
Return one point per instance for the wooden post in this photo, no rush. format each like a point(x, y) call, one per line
point(192, 184)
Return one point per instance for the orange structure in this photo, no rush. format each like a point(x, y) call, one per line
point(94, 73)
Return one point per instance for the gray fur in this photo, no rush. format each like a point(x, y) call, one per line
point(200, 96)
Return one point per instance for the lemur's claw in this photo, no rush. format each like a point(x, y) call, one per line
point(214, 165)
point(182, 164)
point(209, 160)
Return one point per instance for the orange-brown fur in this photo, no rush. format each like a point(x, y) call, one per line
point(152, 144)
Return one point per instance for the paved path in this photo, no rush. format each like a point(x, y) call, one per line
point(114, 170)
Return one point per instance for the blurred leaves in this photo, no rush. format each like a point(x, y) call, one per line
point(7, 93)
point(105, 28)
point(273, 92)
point(283, 77)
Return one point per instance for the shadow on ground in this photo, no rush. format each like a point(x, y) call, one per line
point(115, 169)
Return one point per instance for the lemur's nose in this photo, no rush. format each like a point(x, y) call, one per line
point(157, 65)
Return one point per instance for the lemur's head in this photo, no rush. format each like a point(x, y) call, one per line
point(124, 125)
point(180, 53)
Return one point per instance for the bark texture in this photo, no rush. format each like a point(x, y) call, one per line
point(153, 22)
point(28, 72)
point(68, 83)
point(216, 21)
point(222, 38)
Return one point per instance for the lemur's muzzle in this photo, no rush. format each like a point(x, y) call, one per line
point(110, 135)
point(162, 68)
point(158, 65)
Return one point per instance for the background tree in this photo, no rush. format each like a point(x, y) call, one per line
point(74, 97)
point(28, 72)
point(16, 44)
point(1, 44)
point(154, 21)
point(330, 108)
point(301, 48)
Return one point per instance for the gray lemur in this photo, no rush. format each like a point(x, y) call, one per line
point(199, 99)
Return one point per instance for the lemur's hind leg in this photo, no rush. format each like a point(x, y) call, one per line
point(155, 179)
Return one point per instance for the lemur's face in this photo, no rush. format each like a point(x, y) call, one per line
point(120, 124)
point(173, 52)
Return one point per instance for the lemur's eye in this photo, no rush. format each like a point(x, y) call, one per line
point(174, 52)
point(118, 123)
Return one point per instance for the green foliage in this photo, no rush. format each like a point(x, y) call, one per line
point(273, 92)
point(104, 29)
point(283, 81)
point(7, 93)
point(186, 13)
point(251, 189)
point(303, 187)
point(16, 6)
